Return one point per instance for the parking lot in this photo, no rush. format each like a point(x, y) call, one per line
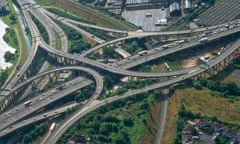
point(139, 18)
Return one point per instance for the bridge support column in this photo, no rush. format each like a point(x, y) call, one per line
point(34, 87)
point(165, 91)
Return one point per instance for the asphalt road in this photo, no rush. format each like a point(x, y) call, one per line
point(94, 105)
point(45, 115)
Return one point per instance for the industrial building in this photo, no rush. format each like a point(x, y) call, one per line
point(175, 9)
point(187, 6)
point(145, 4)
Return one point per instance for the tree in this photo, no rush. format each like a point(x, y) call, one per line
point(128, 122)
point(103, 130)
point(110, 118)
point(212, 85)
point(122, 138)
point(232, 88)
point(197, 85)
point(13, 18)
point(9, 56)
point(108, 50)
point(132, 47)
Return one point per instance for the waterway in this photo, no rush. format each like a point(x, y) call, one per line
point(20, 19)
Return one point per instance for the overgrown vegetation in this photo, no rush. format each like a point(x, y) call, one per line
point(120, 122)
point(3, 77)
point(34, 134)
point(137, 84)
point(224, 89)
point(134, 46)
point(76, 42)
point(69, 15)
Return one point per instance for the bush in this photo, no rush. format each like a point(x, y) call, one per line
point(9, 56)
point(197, 85)
point(128, 122)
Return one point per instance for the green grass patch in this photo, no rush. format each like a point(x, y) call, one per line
point(58, 41)
point(175, 65)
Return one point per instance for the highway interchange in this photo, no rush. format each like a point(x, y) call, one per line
point(11, 119)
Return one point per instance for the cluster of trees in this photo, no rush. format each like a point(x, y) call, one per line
point(111, 127)
point(226, 88)
point(34, 134)
point(10, 36)
point(13, 18)
point(77, 43)
point(84, 94)
point(3, 77)
point(109, 52)
point(237, 63)
point(3, 11)
point(135, 46)
point(9, 56)
point(101, 129)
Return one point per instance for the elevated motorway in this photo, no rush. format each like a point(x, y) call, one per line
point(43, 20)
point(155, 53)
point(94, 105)
point(20, 111)
point(142, 34)
point(34, 119)
point(112, 69)
point(94, 74)
point(116, 70)
point(33, 50)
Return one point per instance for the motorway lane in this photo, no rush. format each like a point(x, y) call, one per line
point(51, 28)
point(111, 68)
point(97, 77)
point(155, 54)
point(116, 70)
point(139, 34)
point(46, 25)
point(20, 111)
point(61, 33)
point(36, 118)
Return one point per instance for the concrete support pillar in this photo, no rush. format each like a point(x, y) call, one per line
point(165, 91)
point(34, 87)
